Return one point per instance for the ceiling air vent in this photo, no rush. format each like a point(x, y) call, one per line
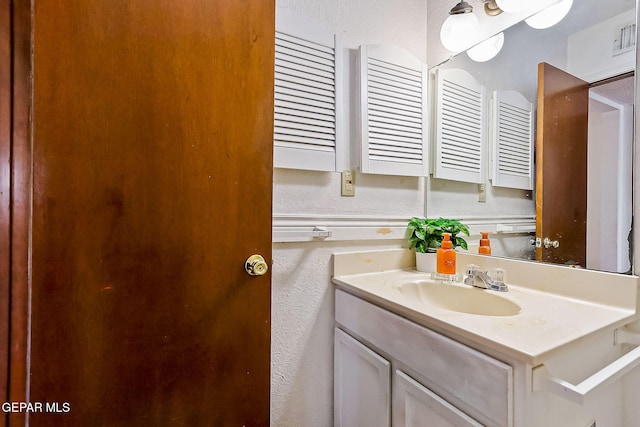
point(624, 39)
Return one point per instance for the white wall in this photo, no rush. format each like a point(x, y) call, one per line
point(609, 185)
point(590, 52)
point(604, 140)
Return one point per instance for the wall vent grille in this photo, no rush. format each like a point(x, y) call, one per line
point(625, 39)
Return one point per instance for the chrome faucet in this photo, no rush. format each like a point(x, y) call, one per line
point(482, 279)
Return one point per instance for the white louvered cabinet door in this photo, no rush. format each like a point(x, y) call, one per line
point(308, 94)
point(392, 112)
point(460, 127)
point(512, 140)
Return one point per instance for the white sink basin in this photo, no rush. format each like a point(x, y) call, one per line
point(460, 298)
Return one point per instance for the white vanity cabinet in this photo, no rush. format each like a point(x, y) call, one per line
point(391, 371)
point(569, 357)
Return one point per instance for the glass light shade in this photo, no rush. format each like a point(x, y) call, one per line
point(550, 16)
point(488, 49)
point(458, 31)
point(512, 6)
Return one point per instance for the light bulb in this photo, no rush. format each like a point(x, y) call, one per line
point(459, 31)
point(550, 16)
point(512, 6)
point(488, 49)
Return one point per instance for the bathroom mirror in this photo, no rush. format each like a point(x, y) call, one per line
point(570, 46)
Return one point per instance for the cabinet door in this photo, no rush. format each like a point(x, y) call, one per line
point(416, 406)
point(393, 111)
point(362, 384)
point(460, 133)
point(308, 94)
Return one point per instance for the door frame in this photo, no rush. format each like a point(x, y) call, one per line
point(5, 188)
point(635, 265)
point(15, 200)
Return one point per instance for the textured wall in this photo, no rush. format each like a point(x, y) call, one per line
point(400, 22)
point(302, 332)
point(305, 192)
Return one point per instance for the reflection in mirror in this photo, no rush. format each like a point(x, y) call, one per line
point(596, 43)
point(609, 194)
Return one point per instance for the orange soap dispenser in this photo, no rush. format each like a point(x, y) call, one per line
point(485, 245)
point(446, 256)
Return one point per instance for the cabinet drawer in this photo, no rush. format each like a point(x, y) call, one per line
point(478, 384)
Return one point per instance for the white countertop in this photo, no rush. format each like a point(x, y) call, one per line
point(547, 320)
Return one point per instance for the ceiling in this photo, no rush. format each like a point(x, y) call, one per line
point(620, 91)
point(585, 13)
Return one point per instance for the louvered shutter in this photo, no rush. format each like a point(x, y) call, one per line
point(392, 112)
point(512, 140)
point(308, 94)
point(460, 127)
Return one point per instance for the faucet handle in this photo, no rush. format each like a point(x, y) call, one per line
point(471, 268)
point(497, 275)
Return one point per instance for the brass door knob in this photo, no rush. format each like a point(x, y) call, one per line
point(548, 243)
point(255, 265)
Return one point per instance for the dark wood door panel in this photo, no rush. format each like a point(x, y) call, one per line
point(561, 165)
point(152, 184)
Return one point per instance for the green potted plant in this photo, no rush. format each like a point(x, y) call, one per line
point(425, 235)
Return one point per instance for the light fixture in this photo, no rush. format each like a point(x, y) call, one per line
point(550, 16)
point(459, 28)
point(462, 29)
point(488, 49)
point(491, 8)
point(512, 6)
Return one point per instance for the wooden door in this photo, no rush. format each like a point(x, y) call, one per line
point(561, 166)
point(152, 175)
